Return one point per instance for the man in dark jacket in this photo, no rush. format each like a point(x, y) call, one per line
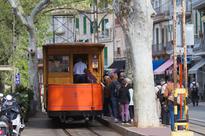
point(114, 90)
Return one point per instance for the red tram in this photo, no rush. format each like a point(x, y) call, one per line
point(64, 98)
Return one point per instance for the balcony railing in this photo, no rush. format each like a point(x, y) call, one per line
point(158, 49)
point(106, 35)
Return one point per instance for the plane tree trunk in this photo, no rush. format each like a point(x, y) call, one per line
point(28, 22)
point(136, 20)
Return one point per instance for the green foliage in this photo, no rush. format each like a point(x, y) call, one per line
point(24, 98)
point(77, 4)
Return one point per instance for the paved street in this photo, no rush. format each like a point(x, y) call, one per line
point(197, 113)
point(197, 118)
point(40, 125)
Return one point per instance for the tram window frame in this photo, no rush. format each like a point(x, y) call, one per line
point(95, 62)
point(62, 67)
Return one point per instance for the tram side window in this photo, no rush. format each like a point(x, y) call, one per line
point(58, 64)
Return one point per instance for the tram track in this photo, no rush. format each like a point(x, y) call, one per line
point(81, 132)
point(197, 126)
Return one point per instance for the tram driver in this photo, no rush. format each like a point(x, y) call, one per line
point(79, 71)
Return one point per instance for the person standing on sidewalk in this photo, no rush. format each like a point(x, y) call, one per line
point(124, 100)
point(131, 104)
point(107, 102)
point(114, 92)
point(169, 94)
point(164, 104)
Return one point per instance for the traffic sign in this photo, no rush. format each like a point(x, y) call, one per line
point(17, 78)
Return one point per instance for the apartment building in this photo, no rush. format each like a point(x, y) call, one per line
point(80, 28)
point(163, 26)
point(197, 71)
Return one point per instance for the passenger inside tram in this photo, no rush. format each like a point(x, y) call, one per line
point(79, 71)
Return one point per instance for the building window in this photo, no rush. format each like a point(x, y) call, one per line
point(162, 36)
point(118, 51)
point(105, 29)
point(91, 27)
point(84, 25)
point(77, 23)
point(157, 35)
point(167, 31)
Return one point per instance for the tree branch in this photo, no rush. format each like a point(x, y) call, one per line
point(18, 10)
point(39, 7)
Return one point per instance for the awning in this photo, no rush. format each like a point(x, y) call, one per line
point(198, 5)
point(118, 64)
point(157, 63)
point(161, 69)
point(198, 65)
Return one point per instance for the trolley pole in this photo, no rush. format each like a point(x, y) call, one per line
point(174, 44)
point(184, 43)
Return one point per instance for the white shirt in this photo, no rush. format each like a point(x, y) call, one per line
point(131, 96)
point(79, 68)
point(164, 86)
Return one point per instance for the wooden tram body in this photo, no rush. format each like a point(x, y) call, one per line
point(62, 97)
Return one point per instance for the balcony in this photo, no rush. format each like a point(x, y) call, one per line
point(199, 48)
point(106, 36)
point(158, 50)
point(162, 15)
point(199, 4)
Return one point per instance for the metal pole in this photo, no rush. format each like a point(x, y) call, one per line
point(174, 44)
point(184, 42)
point(13, 49)
point(53, 29)
point(95, 21)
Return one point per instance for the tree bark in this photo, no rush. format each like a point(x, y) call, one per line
point(137, 26)
point(140, 26)
point(28, 21)
point(33, 65)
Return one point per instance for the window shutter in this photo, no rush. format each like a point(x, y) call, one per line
point(91, 27)
point(105, 56)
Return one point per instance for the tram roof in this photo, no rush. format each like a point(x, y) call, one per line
point(74, 45)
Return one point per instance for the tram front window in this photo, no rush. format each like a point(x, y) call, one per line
point(58, 64)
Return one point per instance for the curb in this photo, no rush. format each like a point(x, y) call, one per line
point(122, 130)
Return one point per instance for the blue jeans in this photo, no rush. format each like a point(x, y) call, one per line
point(171, 113)
point(114, 102)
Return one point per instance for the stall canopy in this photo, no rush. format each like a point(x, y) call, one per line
point(157, 63)
point(161, 69)
point(198, 65)
point(118, 64)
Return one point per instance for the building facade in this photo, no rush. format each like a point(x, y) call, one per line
point(197, 71)
point(163, 26)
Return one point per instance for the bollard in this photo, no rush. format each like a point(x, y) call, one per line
point(181, 122)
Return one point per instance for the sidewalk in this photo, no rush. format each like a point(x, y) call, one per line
point(129, 130)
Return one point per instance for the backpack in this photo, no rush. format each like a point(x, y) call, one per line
point(160, 95)
point(117, 86)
